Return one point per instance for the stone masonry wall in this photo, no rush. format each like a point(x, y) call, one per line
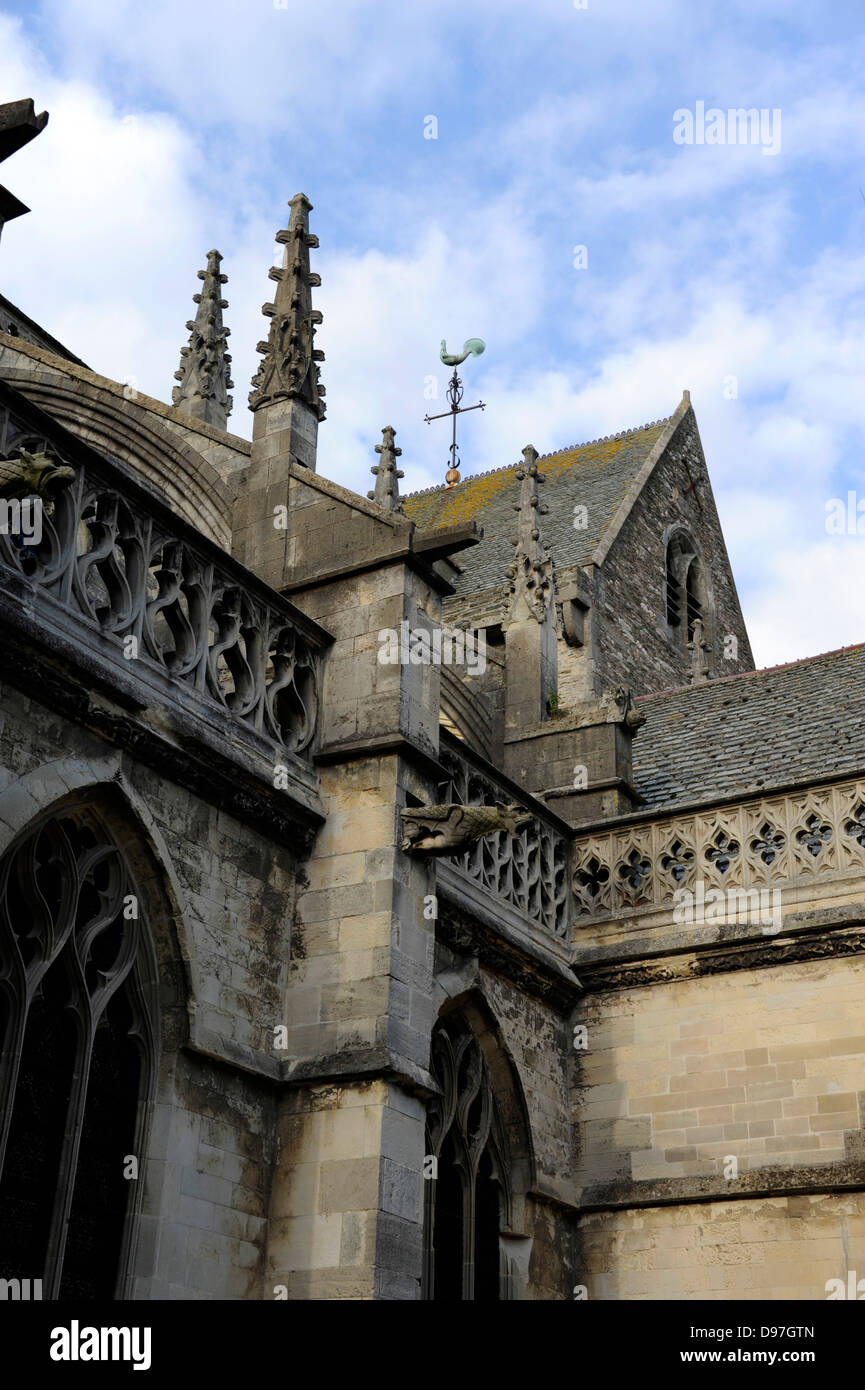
point(770, 1249)
point(633, 644)
point(765, 1066)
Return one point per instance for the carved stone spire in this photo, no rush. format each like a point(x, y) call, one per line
point(204, 372)
point(697, 649)
point(289, 368)
point(531, 572)
point(387, 475)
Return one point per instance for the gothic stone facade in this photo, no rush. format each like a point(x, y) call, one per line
point(617, 1053)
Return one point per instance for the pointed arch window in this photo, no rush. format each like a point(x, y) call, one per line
point(78, 1029)
point(693, 599)
point(687, 591)
point(469, 1200)
point(674, 591)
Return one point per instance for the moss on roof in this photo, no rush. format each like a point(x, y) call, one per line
point(596, 475)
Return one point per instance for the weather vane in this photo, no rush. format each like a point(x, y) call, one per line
point(473, 347)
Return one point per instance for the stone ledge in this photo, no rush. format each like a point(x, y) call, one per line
point(192, 743)
point(505, 940)
point(360, 1064)
point(802, 939)
point(846, 1176)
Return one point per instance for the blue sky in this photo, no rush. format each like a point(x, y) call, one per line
point(178, 127)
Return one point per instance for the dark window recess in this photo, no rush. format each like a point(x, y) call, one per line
point(674, 597)
point(78, 1019)
point(694, 606)
point(467, 1201)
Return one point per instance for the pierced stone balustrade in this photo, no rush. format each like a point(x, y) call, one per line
point(767, 842)
point(530, 869)
point(129, 583)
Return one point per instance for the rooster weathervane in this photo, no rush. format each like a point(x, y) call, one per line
point(472, 347)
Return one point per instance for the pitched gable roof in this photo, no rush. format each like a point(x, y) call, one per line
point(596, 475)
point(741, 734)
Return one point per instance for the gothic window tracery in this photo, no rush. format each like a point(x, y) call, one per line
point(469, 1198)
point(687, 596)
point(77, 1022)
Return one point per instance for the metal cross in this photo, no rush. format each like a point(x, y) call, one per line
point(455, 395)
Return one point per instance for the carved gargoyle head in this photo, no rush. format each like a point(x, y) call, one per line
point(632, 717)
point(451, 829)
point(34, 475)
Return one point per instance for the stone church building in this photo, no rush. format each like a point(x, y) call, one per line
point(405, 897)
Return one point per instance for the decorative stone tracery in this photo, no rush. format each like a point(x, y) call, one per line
point(78, 1016)
point(469, 1197)
point(164, 599)
point(528, 869)
point(766, 842)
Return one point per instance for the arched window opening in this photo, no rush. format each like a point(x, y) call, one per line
point(687, 593)
point(78, 1019)
point(468, 1201)
point(692, 595)
point(674, 592)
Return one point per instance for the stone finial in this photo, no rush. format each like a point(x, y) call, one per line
point(19, 124)
point(697, 649)
point(289, 367)
point(204, 364)
point(531, 572)
point(387, 475)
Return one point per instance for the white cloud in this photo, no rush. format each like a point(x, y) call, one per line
point(189, 126)
point(810, 600)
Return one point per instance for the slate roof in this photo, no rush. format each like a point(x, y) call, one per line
point(597, 475)
point(741, 734)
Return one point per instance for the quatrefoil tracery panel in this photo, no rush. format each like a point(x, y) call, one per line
point(772, 841)
point(112, 565)
point(812, 833)
point(678, 862)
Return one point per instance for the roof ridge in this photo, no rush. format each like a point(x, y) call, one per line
point(568, 448)
point(760, 671)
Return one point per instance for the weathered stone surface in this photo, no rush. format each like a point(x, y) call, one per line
point(315, 982)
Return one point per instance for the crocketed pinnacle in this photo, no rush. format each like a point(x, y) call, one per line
point(531, 571)
point(204, 364)
point(289, 367)
point(387, 475)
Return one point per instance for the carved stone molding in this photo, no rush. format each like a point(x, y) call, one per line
point(817, 1178)
point(746, 956)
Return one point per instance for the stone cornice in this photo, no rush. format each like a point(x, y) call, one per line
point(63, 365)
point(848, 1175)
point(812, 941)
